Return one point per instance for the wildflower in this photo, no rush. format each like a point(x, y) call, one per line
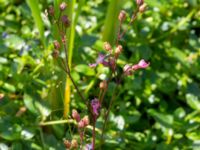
point(88, 147)
point(122, 15)
point(100, 60)
point(75, 115)
point(81, 124)
point(63, 5)
point(95, 104)
point(141, 64)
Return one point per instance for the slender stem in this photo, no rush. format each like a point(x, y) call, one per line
point(118, 34)
point(93, 134)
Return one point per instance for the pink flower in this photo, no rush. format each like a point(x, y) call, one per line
point(100, 60)
point(127, 69)
point(141, 65)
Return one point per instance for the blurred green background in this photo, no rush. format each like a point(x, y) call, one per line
point(157, 108)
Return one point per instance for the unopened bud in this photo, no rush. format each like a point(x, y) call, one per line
point(75, 115)
point(65, 20)
point(81, 124)
point(112, 63)
point(63, 5)
point(122, 15)
point(142, 8)
point(107, 46)
point(67, 144)
point(51, 10)
point(118, 50)
point(74, 144)
point(103, 85)
point(139, 2)
point(86, 120)
point(56, 45)
point(55, 53)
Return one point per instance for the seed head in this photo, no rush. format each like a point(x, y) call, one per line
point(63, 5)
point(122, 15)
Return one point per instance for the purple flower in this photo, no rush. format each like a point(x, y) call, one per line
point(96, 105)
point(100, 60)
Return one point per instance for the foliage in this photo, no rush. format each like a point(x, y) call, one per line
point(157, 108)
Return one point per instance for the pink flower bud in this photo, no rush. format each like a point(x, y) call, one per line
point(122, 15)
point(81, 124)
point(127, 69)
point(139, 2)
point(142, 8)
point(141, 64)
point(65, 20)
point(107, 46)
point(86, 121)
point(74, 144)
point(63, 5)
point(103, 85)
point(56, 45)
point(75, 115)
point(118, 50)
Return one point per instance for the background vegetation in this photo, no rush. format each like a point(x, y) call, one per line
point(157, 108)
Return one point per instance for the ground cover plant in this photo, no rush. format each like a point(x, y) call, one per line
point(92, 75)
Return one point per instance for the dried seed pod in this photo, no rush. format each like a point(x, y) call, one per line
point(122, 15)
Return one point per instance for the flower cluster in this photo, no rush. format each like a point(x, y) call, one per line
point(82, 123)
point(73, 144)
point(96, 106)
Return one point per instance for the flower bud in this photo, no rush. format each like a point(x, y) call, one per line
point(67, 144)
point(139, 2)
point(142, 8)
point(103, 85)
point(74, 144)
point(81, 124)
point(118, 50)
point(51, 10)
point(75, 115)
point(127, 69)
point(86, 121)
point(122, 15)
point(65, 20)
point(63, 5)
point(55, 53)
point(107, 46)
point(56, 45)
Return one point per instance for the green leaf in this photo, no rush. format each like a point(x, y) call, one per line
point(193, 101)
point(85, 69)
